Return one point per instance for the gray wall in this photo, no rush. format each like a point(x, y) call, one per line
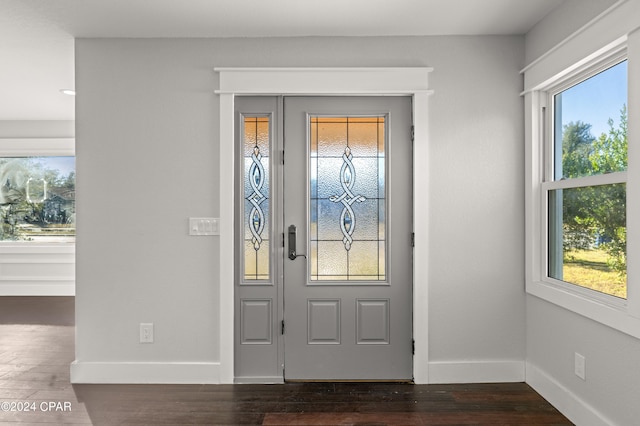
point(612, 384)
point(568, 18)
point(147, 159)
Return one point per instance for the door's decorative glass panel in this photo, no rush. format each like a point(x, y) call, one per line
point(256, 144)
point(347, 198)
point(347, 205)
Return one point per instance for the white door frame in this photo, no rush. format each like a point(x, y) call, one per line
point(324, 81)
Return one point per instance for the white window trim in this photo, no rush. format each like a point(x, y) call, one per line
point(620, 314)
point(37, 147)
point(411, 81)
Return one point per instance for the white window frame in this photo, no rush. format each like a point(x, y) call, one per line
point(620, 314)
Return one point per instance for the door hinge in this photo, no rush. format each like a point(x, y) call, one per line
point(413, 133)
point(413, 346)
point(413, 239)
point(282, 327)
point(283, 239)
point(283, 156)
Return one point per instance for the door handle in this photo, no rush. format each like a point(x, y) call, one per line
point(292, 244)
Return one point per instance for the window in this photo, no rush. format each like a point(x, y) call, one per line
point(37, 199)
point(585, 182)
point(581, 182)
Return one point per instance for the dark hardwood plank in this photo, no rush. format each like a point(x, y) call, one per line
point(37, 346)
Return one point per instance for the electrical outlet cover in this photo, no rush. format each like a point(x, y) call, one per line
point(146, 332)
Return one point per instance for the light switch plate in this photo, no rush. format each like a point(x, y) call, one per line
point(204, 226)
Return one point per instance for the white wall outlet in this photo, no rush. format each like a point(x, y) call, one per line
point(146, 332)
point(580, 366)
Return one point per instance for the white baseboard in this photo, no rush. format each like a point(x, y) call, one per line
point(38, 287)
point(277, 380)
point(476, 372)
point(568, 403)
point(145, 372)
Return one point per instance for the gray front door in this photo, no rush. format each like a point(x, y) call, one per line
point(331, 176)
point(347, 186)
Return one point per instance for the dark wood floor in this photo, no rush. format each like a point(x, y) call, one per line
point(36, 348)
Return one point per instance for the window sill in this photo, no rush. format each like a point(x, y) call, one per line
point(32, 247)
point(616, 316)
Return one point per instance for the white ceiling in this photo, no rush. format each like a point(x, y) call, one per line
point(36, 36)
